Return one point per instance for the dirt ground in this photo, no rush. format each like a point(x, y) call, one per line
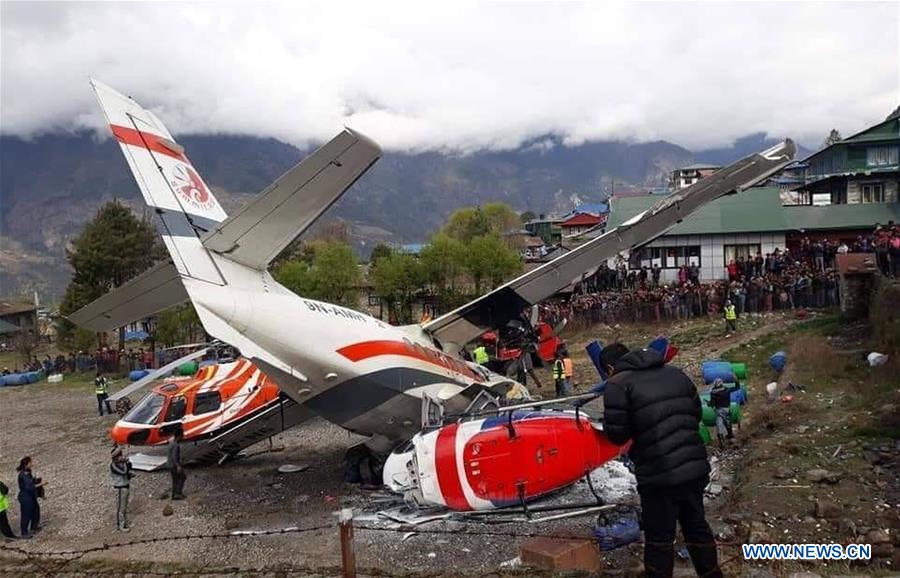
point(58, 426)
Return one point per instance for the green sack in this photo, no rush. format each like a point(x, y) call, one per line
point(188, 368)
point(736, 413)
point(709, 416)
point(740, 371)
point(704, 434)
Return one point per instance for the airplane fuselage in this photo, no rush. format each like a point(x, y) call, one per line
point(348, 367)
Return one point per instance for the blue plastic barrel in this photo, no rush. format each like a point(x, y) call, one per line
point(713, 370)
point(137, 374)
point(32, 377)
point(15, 379)
point(778, 361)
point(738, 397)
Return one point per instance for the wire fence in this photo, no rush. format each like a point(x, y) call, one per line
point(57, 562)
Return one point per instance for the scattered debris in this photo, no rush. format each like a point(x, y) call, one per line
point(292, 468)
point(876, 359)
point(167, 510)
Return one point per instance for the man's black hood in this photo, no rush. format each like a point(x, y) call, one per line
point(640, 359)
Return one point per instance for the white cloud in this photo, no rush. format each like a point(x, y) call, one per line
point(458, 75)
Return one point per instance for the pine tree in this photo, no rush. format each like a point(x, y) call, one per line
point(114, 247)
point(833, 137)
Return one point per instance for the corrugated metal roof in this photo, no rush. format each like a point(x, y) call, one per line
point(699, 166)
point(760, 210)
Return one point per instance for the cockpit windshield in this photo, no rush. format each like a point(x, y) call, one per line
point(147, 410)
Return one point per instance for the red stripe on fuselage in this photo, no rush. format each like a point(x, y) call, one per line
point(146, 140)
point(368, 349)
point(447, 472)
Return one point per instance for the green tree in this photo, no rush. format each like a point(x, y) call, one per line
point(397, 278)
point(332, 274)
point(442, 261)
point(381, 250)
point(489, 259)
point(113, 247)
point(178, 325)
point(527, 216)
point(492, 218)
point(833, 137)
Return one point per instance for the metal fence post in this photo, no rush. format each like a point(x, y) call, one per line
point(348, 557)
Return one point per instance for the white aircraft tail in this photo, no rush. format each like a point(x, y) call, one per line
point(212, 253)
point(168, 181)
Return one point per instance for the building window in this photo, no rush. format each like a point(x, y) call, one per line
point(742, 252)
point(207, 402)
point(881, 156)
point(665, 257)
point(679, 256)
point(872, 192)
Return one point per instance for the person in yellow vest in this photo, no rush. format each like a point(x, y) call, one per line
point(559, 374)
point(730, 318)
point(568, 371)
point(4, 520)
point(481, 355)
point(101, 389)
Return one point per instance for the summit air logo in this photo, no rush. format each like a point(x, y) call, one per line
point(191, 189)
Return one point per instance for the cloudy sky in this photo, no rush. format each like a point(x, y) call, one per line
point(456, 75)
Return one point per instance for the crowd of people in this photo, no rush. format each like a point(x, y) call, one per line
point(805, 277)
point(107, 360)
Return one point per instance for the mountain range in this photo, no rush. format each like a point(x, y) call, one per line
point(52, 184)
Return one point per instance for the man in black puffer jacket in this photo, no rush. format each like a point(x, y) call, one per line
point(657, 406)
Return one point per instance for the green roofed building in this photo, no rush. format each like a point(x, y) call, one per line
point(742, 225)
point(861, 169)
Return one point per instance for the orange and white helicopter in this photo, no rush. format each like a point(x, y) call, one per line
point(226, 406)
point(345, 366)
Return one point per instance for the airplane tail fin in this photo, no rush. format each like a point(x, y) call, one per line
point(168, 181)
point(209, 250)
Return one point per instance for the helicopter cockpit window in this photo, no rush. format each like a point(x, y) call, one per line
point(207, 402)
point(176, 408)
point(147, 410)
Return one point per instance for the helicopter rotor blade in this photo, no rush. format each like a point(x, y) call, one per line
point(157, 373)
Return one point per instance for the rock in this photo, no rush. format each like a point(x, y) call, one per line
point(827, 509)
point(722, 530)
point(714, 489)
point(232, 523)
point(873, 457)
point(878, 536)
point(819, 475)
point(734, 517)
point(758, 533)
point(802, 429)
point(846, 527)
point(783, 472)
point(167, 510)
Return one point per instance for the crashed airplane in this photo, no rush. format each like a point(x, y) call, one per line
point(347, 367)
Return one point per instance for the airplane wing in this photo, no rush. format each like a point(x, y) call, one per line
point(507, 302)
point(264, 227)
point(152, 291)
